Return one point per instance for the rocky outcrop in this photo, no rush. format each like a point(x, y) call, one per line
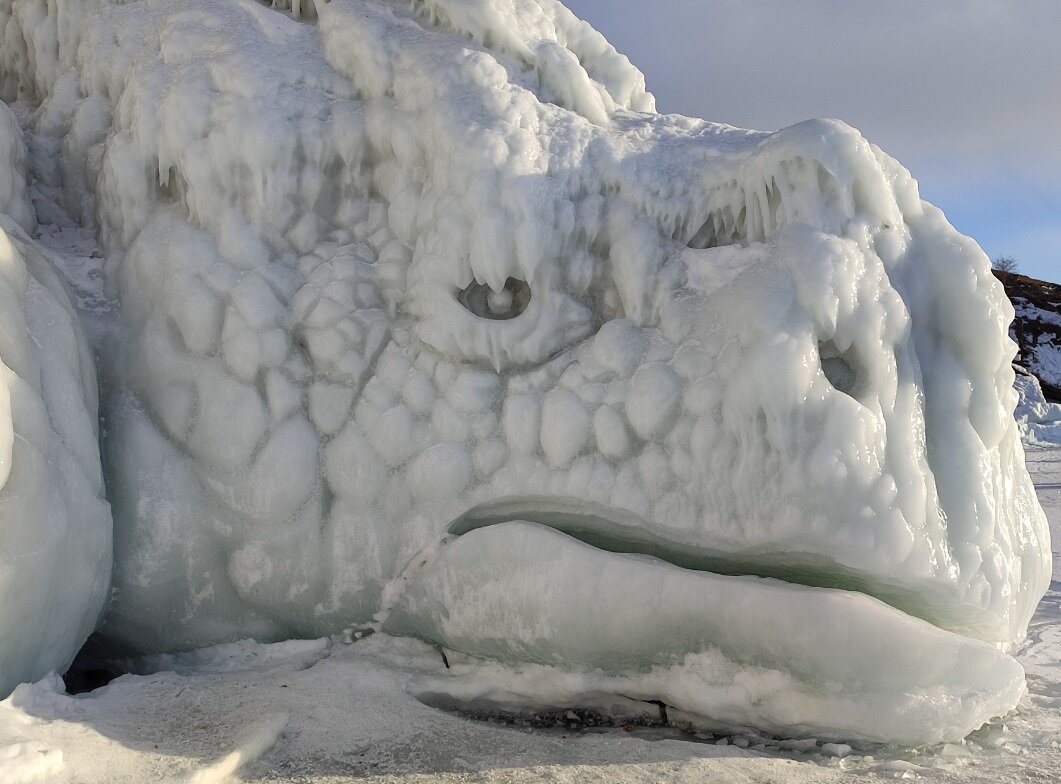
point(1037, 329)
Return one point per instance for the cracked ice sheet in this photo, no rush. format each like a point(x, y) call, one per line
point(352, 717)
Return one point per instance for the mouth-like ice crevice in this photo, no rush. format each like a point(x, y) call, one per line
point(617, 531)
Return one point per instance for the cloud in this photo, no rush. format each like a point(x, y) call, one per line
point(965, 93)
point(971, 84)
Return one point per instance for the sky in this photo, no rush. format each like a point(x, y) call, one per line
point(965, 93)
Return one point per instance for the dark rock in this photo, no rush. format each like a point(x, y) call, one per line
point(1037, 328)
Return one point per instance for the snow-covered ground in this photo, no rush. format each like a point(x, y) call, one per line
point(332, 710)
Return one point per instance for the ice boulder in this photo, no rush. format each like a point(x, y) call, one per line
point(55, 526)
point(431, 321)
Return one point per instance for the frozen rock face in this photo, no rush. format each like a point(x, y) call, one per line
point(430, 319)
point(55, 526)
point(1037, 329)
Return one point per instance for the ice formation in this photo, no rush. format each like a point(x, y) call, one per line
point(55, 526)
point(1038, 419)
point(427, 318)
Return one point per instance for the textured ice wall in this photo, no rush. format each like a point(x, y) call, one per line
point(55, 526)
point(415, 269)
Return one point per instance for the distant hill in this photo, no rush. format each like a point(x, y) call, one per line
point(1037, 328)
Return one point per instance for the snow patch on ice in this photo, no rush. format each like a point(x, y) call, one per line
point(258, 741)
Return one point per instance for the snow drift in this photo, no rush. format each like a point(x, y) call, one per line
point(417, 298)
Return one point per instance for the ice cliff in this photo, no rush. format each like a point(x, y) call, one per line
point(419, 315)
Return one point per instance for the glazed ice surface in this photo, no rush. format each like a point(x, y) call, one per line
point(55, 526)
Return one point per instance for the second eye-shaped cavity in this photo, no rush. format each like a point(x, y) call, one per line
point(501, 305)
point(840, 368)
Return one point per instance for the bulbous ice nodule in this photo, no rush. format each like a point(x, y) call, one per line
point(419, 298)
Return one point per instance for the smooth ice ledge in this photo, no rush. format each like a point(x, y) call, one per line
point(737, 650)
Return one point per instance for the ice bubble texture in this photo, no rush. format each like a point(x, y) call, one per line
point(391, 273)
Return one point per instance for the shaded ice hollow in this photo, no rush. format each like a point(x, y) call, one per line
point(427, 319)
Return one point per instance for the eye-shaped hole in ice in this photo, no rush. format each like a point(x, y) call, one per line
point(507, 303)
point(840, 368)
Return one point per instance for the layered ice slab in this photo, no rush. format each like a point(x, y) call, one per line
point(397, 277)
point(55, 526)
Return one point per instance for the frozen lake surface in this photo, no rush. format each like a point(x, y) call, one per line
point(329, 711)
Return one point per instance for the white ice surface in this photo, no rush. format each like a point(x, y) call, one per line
point(412, 269)
point(55, 526)
point(351, 716)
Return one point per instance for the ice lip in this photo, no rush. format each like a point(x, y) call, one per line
point(619, 531)
point(831, 662)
